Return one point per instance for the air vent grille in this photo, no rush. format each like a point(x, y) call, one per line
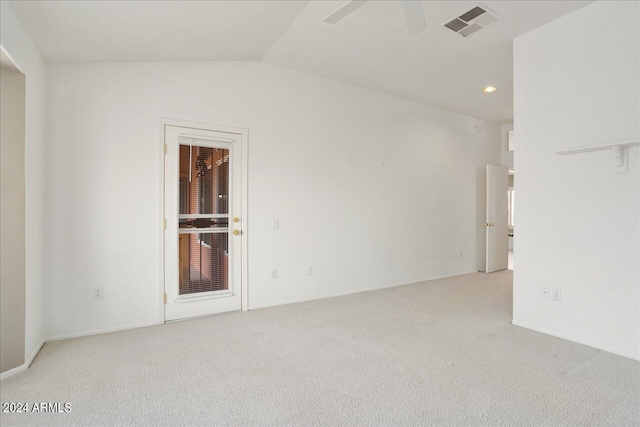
point(473, 20)
point(473, 28)
point(476, 11)
point(455, 25)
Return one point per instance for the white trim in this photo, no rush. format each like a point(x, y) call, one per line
point(35, 352)
point(160, 225)
point(217, 143)
point(191, 139)
point(187, 216)
point(244, 134)
point(103, 331)
point(209, 230)
point(342, 294)
point(577, 341)
point(24, 366)
point(12, 372)
point(202, 316)
point(202, 126)
point(203, 295)
point(244, 282)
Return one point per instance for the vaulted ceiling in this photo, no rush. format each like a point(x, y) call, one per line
point(370, 47)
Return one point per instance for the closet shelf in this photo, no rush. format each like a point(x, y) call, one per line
point(599, 147)
point(618, 149)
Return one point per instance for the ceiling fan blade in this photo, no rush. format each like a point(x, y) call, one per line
point(414, 16)
point(344, 10)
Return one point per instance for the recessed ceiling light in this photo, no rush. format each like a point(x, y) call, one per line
point(489, 89)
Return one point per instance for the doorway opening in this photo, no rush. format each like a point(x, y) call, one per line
point(496, 225)
point(500, 215)
point(510, 215)
point(12, 212)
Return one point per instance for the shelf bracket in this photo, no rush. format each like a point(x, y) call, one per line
point(620, 164)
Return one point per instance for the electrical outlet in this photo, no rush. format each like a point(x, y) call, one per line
point(556, 294)
point(98, 293)
point(309, 270)
point(274, 274)
point(275, 224)
point(545, 292)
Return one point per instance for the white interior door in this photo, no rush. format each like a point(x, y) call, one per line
point(203, 205)
point(496, 223)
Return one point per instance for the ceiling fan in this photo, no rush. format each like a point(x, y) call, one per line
point(413, 14)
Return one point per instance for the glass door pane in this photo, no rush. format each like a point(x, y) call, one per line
point(203, 234)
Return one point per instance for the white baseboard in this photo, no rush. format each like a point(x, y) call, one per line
point(12, 372)
point(342, 294)
point(35, 352)
point(24, 366)
point(102, 331)
point(577, 341)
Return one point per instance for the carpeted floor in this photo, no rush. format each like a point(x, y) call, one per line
point(435, 353)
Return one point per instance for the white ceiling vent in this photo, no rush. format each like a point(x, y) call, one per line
point(473, 20)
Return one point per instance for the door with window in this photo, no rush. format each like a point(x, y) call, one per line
point(202, 210)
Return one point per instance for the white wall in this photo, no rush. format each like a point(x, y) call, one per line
point(370, 189)
point(577, 83)
point(18, 45)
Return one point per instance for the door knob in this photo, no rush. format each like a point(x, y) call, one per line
point(236, 232)
point(236, 219)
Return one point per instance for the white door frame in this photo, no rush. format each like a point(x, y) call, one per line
point(244, 135)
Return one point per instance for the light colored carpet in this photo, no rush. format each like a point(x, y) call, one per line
point(435, 353)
